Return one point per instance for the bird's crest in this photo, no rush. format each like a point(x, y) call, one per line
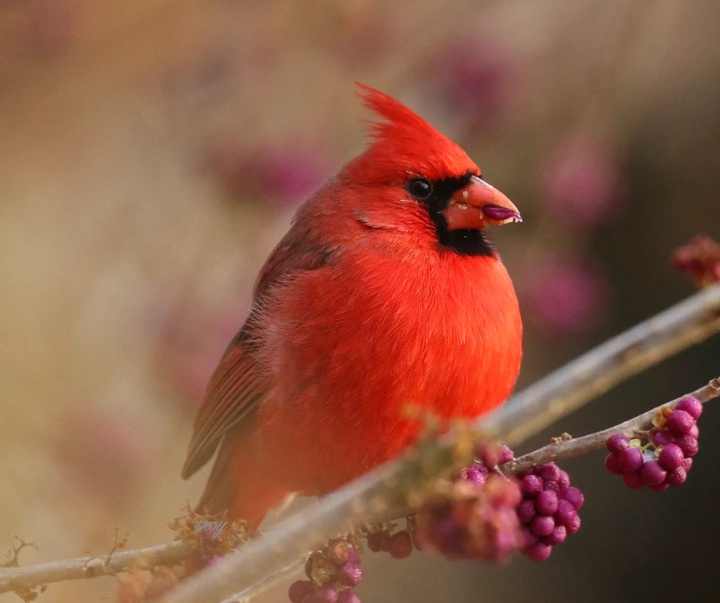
point(406, 143)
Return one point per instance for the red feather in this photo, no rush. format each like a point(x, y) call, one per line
point(357, 313)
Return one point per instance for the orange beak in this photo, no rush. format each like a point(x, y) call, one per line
point(479, 205)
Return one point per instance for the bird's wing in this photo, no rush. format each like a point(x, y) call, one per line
point(238, 384)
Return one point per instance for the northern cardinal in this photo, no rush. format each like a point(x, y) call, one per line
point(384, 293)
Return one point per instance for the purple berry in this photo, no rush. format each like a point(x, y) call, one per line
point(321, 594)
point(539, 551)
point(662, 437)
point(526, 511)
point(687, 464)
point(612, 465)
point(617, 442)
point(506, 455)
point(377, 541)
point(529, 539)
point(400, 545)
point(546, 503)
point(563, 480)
point(691, 405)
point(542, 525)
point(565, 513)
point(552, 486)
point(677, 477)
point(633, 480)
point(350, 574)
point(679, 422)
point(348, 596)
point(558, 535)
point(630, 460)
point(574, 525)
point(489, 455)
point(476, 475)
point(531, 485)
point(653, 474)
point(660, 487)
point(574, 497)
point(671, 456)
point(694, 431)
point(549, 472)
point(689, 445)
point(299, 589)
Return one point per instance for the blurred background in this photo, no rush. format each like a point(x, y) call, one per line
point(153, 152)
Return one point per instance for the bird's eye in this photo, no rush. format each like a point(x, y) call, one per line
point(420, 188)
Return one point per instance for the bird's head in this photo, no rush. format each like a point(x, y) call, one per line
point(425, 173)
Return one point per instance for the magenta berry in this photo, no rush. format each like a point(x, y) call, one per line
point(475, 474)
point(348, 596)
point(539, 551)
point(633, 480)
point(617, 442)
point(689, 445)
point(506, 455)
point(630, 459)
point(565, 513)
point(677, 477)
point(660, 437)
point(531, 485)
point(679, 422)
point(612, 465)
point(691, 405)
point(542, 525)
point(546, 502)
point(321, 594)
point(573, 525)
point(549, 472)
point(563, 480)
point(653, 474)
point(299, 589)
point(526, 511)
point(377, 541)
point(350, 574)
point(557, 536)
point(400, 545)
point(671, 456)
point(575, 497)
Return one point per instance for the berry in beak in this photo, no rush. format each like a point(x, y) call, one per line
point(478, 205)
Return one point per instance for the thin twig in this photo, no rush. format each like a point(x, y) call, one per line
point(366, 498)
point(563, 449)
point(17, 578)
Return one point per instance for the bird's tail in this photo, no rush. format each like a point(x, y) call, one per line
point(239, 484)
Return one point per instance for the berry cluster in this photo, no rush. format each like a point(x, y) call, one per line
point(470, 520)
point(548, 511)
point(332, 572)
point(665, 458)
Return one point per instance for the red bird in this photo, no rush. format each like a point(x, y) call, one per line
point(384, 293)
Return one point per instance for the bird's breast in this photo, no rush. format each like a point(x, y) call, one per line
point(358, 343)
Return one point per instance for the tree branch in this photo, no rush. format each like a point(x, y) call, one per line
point(17, 578)
point(563, 449)
point(370, 496)
point(261, 563)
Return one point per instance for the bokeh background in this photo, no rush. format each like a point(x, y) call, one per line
point(152, 153)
